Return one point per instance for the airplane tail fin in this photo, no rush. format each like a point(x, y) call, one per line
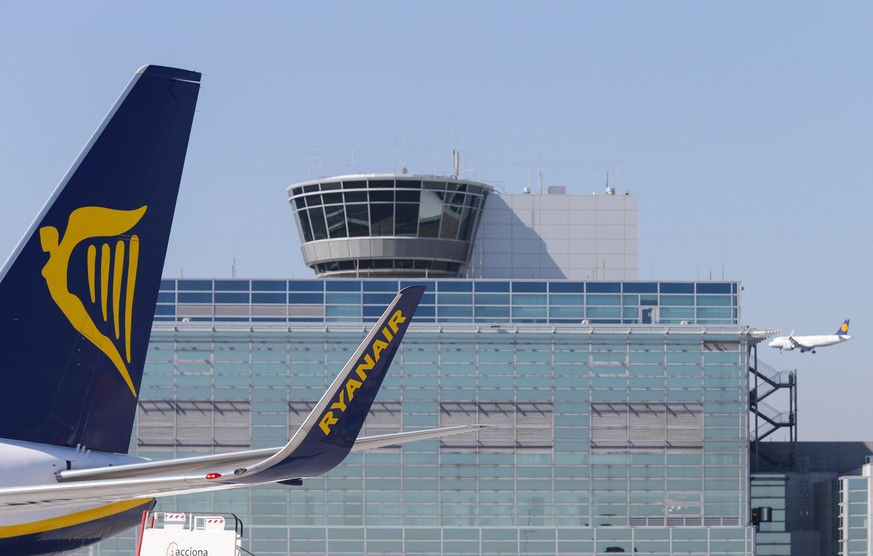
point(77, 296)
point(330, 430)
point(844, 328)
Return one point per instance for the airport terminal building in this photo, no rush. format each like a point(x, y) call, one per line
point(618, 408)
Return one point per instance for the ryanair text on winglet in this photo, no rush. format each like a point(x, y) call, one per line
point(347, 391)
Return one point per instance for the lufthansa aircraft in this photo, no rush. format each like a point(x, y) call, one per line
point(809, 343)
point(77, 299)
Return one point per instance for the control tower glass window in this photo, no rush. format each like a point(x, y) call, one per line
point(385, 225)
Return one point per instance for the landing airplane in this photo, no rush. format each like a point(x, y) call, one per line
point(77, 300)
point(809, 343)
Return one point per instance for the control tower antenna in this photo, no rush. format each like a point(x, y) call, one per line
point(456, 159)
point(617, 181)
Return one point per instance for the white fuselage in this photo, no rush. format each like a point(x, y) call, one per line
point(30, 464)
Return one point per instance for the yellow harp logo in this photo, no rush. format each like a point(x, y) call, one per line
point(89, 223)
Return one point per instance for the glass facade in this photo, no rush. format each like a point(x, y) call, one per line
point(447, 301)
point(846, 527)
point(768, 495)
point(854, 531)
point(603, 439)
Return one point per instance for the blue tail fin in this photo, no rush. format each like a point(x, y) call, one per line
point(329, 432)
point(78, 294)
point(844, 328)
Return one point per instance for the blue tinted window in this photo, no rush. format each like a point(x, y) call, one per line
point(529, 287)
point(641, 287)
point(492, 286)
point(269, 298)
point(603, 287)
point(232, 297)
point(563, 299)
point(344, 298)
point(675, 313)
point(343, 311)
point(566, 287)
point(603, 312)
point(529, 299)
point(306, 298)
point(492, 299)
point(677, 300)
point(197, 285)
point(381, 299)
point(458, 311)
point(232, 285)
point(714, 313)
point(707, 287)
point(307, 286)
point(576, 313)
point(456, 286)
point(425, 311)
point(165, 310)
point(195, 297)
point(603, 299)
point(529, 312)
point(168, 284)
point(167, 297)
point(716, 300)
point(380, 286)
point(492, 312)
point(630, 313)
point(269, 285)
point(455, 298)
point(676, 288)
point(343, 285)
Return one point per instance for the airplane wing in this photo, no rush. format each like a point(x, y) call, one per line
point(797, 343)
point(108, 485)
point(325, 438)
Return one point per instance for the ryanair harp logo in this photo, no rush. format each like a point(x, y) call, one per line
point(88, 223)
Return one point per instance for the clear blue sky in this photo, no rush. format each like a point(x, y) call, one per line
point(745, 128)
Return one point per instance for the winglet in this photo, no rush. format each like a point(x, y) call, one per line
point(329, 432)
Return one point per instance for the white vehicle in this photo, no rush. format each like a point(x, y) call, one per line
point(809, 343)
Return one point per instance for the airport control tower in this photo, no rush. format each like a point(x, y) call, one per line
point(402, 225)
